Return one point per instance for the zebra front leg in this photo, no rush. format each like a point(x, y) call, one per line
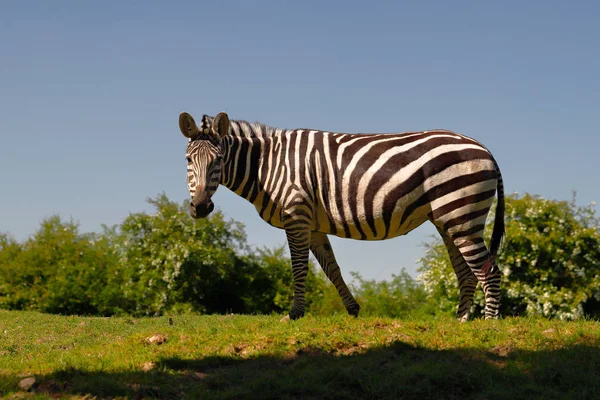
point(298, 236)
point(321, 248)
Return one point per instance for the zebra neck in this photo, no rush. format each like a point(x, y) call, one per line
point(240, 165)
point(252, 130)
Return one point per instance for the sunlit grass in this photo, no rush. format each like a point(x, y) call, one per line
point(259, 357)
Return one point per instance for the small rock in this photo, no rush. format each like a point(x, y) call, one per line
point(27, 383)
point(285, 319)
point(156, 339)
point(148, 366)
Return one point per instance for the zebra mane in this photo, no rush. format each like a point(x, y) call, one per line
point(243, 128)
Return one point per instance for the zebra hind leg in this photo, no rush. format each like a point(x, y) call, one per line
point(467, 282)
point(321, 248)
point(479, 260)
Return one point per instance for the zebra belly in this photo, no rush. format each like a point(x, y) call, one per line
point(384, 225)
point(271, 213)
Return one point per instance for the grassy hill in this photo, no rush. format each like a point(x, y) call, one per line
point(257, 357)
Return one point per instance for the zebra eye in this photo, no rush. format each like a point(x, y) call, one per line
point(189, 160)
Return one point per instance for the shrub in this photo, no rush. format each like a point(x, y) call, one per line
point(57, 270)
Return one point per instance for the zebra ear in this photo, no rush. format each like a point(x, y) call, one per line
point(188, 126)
point(221, 124)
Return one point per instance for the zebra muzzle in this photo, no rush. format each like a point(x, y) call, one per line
point(201, 210)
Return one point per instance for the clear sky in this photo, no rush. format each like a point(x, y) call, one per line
point(90, 93)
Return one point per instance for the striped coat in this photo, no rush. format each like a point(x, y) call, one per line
point(313, 183)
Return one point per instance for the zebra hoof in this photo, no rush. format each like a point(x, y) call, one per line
point(295, 315)
point(353, 310)
point(463, 319)
point(285, 319)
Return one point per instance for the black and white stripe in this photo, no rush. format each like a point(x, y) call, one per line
point(313, 183)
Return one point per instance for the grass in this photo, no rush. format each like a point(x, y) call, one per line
point(257, 357)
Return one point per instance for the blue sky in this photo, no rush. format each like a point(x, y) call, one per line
point(90, 93)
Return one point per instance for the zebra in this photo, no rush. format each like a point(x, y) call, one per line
point(366, 186)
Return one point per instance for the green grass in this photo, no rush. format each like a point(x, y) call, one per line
point(257, 357)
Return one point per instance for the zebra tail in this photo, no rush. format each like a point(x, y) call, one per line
point(498, 231)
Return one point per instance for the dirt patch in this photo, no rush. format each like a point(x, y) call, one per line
point(311, 351)
point(387, 324)
point(499, 355)
point(240, 349)
point(550, 332)
point(52, 387)
point(398, 337)
point(502, 350)
point(346, 349)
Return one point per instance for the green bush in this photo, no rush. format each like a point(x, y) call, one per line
point(57, 270)
point(173, 263)
point(165, 262)
point(400, 297)
point(275, 268)
point(549, 260)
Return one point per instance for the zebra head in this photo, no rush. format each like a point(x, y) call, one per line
point(204, 157)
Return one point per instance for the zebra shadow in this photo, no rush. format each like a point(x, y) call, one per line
point(395, 371)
